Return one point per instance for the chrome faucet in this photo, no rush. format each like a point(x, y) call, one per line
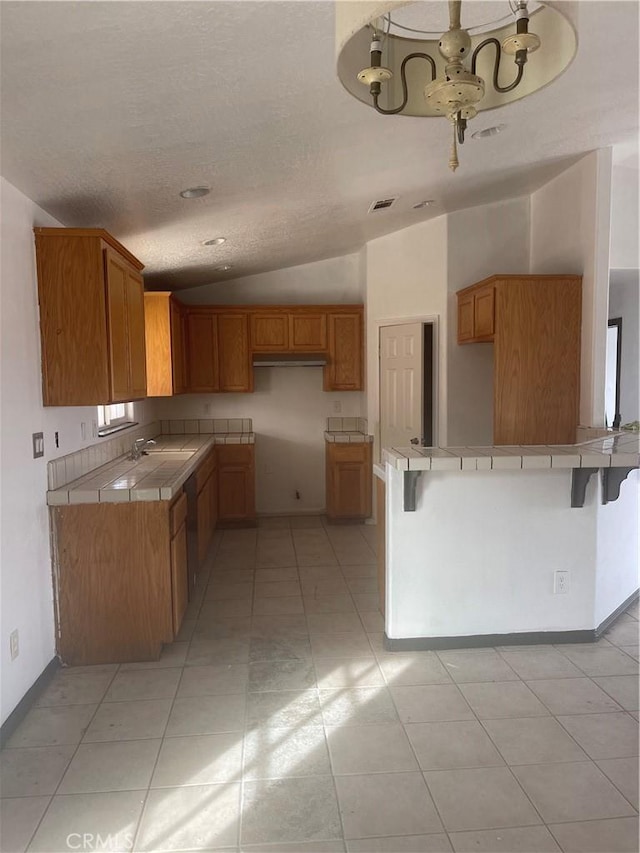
point(137, 448)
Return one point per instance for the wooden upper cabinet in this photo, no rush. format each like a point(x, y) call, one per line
point(90, 294)
point(202, 351)
point(236, 374)
point(308, 332)
point(535, 324)
point(476, 314)
point(164, 333)
point(269, 331)
point(344, 370)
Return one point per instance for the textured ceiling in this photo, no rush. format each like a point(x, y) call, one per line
point(109, 109)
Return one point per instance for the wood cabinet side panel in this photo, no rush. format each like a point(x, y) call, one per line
point(157, 322)
point(136, 342)
point(179, 577)
point(465, 318)
point(113, 581)
point(72, 312)
point(537, 362)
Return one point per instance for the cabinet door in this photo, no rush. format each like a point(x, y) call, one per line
point(344, 370)
point(348, 480)
point(136, 336)
point(116, 275)
point(465, 318)
point(483, 314)
point(308, 332)
point(202, 352)
point(233, 353)
point(270, 331)
point(179, 577)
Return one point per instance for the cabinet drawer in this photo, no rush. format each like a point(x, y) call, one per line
point(348, 452)
point(178, 514)
point(205, 470)
point(235, 454)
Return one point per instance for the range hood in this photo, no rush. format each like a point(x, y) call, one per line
point(289, 359)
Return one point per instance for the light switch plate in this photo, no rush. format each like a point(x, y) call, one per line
point(38, 444)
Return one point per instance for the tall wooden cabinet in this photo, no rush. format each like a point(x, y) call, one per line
point(534, 323)
point(92, 323)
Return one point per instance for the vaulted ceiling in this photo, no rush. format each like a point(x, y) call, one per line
point(109, 109)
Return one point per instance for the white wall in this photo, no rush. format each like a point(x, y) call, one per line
point(478, 555)
point(481, 241)
point(335, 280)
point(25, 565)
point(618, 549)
point(570, 228)
point(625, 219)
point(406, 277)
point(289, 411)
point(624, 302)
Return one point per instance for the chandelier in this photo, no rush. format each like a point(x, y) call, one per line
point(445, 76)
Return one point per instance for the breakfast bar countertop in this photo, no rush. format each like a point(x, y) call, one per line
point(614, 450)
point(158, 475)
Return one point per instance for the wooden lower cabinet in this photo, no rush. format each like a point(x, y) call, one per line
point(348, 480)
point(236, 484)
point(206, 504)
point(120, 579)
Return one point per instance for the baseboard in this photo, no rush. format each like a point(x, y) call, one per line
point(528, 638)
point(608, 622)
point(24, 705)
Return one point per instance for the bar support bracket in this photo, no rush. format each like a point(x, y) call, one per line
point(410, 482)
point(579, 479)
point(612, 479)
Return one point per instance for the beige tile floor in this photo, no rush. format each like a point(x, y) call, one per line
point(278, 722)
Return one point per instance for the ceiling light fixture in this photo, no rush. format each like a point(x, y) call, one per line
point(489, 131)
point(426, 203)
point(195, 192)
point(216, 241)
point(456, 65)
point(224, 268)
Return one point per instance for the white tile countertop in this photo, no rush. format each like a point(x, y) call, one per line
point(616, 450)
point(347, 431)
point(159, 475)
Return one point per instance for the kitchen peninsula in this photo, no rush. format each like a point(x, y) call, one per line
point(476, 537)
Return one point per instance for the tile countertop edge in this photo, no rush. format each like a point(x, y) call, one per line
point(167, 492)
point(584, 455)
point(347, 437)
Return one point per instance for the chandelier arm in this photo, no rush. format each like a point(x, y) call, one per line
point(405, 88)
point(496, 67)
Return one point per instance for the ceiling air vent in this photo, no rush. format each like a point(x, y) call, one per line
point(382, 204)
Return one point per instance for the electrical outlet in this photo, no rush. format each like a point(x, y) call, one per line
point(37, 439)
point(83, 431)
point(561, 583)
point(14, 644)
point(94, 429)
point(207, 408)
point(337, 406)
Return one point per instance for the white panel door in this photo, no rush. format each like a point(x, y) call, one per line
point(401, 384)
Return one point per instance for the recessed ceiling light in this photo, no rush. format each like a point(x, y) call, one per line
point(216, 241)
point(489, 131)
point(195, 192)
point(426, 203)
point(224, 267)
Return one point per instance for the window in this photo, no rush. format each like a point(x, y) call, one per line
point(115, 417)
